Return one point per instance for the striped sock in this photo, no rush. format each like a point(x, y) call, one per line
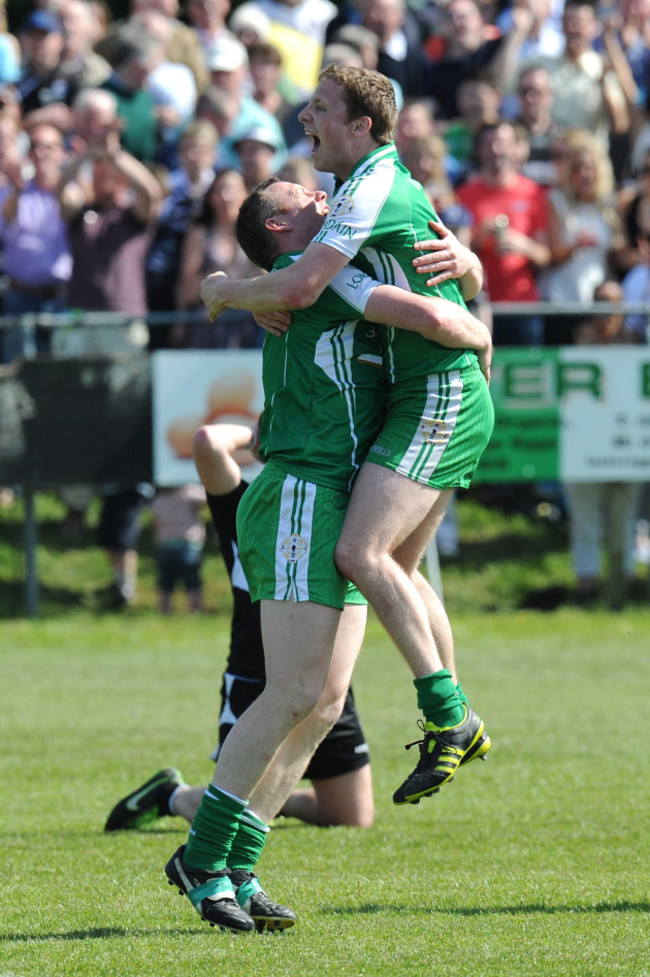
point(213, 829)
point(248, 843)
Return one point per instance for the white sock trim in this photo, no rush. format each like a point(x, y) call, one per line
point(250, 817)
point(239, 800)
point(170, 803)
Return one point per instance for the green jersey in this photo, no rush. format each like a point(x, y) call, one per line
point(323, 385)
point(376, 217)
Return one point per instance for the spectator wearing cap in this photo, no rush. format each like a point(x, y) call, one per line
point(45, 82)
point(256, 153)
point(249, 24)
point(228, 66)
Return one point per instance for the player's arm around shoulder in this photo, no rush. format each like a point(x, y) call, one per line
point(296, 287)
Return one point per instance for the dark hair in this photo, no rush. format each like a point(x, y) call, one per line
point(480, 75)
point(263, 51)
point(257, 243)
point(366, 92)
point(582, 3)
point(206, 214)
point(488, 128)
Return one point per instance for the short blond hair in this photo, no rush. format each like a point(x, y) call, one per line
point(369, 93)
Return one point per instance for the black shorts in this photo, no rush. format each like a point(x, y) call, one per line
point(119, 522)
point(343, 750)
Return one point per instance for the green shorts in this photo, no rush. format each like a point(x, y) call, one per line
point(436, 429)
point(287, 530)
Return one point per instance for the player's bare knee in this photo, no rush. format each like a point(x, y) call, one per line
point(350, 559)
point(301, 701)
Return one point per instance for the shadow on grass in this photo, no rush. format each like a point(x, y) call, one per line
point(96, 933)
point(371, 909)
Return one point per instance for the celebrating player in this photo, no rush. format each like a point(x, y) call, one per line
point(439, 414)
point(323, 408)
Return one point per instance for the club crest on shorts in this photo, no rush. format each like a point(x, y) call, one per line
point(293, 548)
point(434, 431)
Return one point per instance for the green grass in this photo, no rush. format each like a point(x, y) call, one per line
point(534, 863)
point(503, 558)
point(531, 863)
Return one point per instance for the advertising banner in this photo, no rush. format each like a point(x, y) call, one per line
point(573, 413)
point(195, 387)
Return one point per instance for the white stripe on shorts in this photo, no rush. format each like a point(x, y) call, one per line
point(293, 539)
point(436, 426)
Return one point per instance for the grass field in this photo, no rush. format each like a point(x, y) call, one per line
point(503, 558)
point(534, 863)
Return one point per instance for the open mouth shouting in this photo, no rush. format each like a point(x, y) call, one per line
point(315, 141)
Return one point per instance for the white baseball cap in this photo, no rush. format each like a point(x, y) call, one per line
point(226, 54)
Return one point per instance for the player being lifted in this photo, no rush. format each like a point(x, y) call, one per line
point(323, 408)
point(439, 415)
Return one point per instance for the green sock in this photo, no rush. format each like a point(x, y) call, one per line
point(438, 699)
point(248, 843)
point(461, 695)
point(213, 829)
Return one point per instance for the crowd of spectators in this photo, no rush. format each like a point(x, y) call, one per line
point(127, 145)
point(501, 106)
